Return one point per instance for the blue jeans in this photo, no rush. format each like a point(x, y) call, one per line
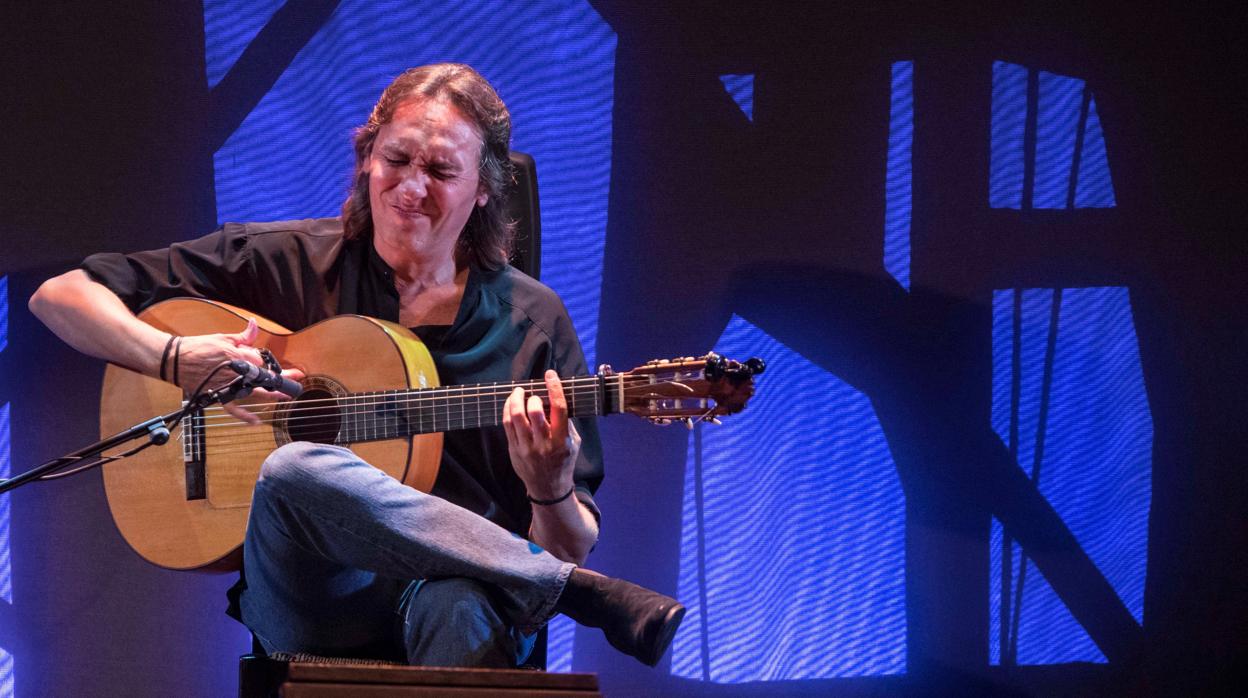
point(341, 559)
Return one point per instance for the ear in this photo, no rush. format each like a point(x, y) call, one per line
point(483, 198)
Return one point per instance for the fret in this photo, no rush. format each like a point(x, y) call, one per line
point(388, 414)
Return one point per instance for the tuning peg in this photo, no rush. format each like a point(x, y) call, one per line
point(688, 423)
point(755, 365)
point(714, 420)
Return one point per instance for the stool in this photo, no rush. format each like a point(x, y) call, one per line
point(307, 676)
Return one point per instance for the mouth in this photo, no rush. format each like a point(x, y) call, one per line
point(409, 211)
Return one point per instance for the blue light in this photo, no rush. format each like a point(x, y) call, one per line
point(553, 63)
point(1095, 188)
point(228, 28)
point(1056, 124)
point(1009, 119)
point(1060, 126)
point(1096, 465)
point(560, 641)
point(6, 559)
point(792, 556)
point(741, 89)
point(897, 188)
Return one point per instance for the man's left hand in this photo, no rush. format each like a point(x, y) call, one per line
point(543, 450)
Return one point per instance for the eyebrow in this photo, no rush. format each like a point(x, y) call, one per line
point(398, 147)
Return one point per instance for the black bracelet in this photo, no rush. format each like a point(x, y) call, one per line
point(164, 358)
point(548, 502)
point(177, 354)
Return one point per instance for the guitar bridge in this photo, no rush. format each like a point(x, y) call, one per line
point(193, 455)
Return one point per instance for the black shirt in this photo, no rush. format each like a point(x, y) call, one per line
point(509, 327)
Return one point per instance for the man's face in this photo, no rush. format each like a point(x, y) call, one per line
point(423, 181)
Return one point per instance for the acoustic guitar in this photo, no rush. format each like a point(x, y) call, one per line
point(371, 386)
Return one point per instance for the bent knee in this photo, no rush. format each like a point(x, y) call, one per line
point(302, 460)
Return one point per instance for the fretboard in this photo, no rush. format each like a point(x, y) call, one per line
point(392, 414)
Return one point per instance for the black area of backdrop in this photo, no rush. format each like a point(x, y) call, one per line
point(106, 137)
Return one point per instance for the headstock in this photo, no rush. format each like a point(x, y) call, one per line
point(688, 389)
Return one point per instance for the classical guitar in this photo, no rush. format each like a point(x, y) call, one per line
point(371, 386)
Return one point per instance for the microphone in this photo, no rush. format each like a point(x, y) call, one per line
point(257, 377)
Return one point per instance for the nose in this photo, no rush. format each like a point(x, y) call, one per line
point(414, 184)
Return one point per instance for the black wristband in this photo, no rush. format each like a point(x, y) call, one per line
point(164, 358)
point(548, 502)
point(177, 354)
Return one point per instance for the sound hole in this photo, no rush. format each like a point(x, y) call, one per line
point(315, 417)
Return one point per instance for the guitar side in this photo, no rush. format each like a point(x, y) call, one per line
point(148, 494)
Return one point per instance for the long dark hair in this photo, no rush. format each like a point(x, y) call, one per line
point(487, 237)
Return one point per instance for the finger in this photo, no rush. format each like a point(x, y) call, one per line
point(274, 395)
point(520, 420)
point(509, 408)
point(537, 419)
point(558, 406)
point(241, 413)
point(248, 336)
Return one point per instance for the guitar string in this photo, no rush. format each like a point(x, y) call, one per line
point(364, 421)
point(261, 441)
point(349, 405)
point(245, 439)
point(360, 419)
point(506, 388)
point(398, 399)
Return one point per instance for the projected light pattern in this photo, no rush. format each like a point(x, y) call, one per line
point(228, 28)
point(791, 559)
point(1070, 167)
point(897, 186)
point(1087, 435)
point(553, 63)
point(6, 559)
point(560, 641)
point(741, 89)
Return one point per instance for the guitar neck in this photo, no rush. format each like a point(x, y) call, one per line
point(389, 414)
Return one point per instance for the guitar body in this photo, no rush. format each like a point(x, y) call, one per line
point(154, 497)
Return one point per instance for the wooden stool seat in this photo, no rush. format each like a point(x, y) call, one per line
point(264, 676)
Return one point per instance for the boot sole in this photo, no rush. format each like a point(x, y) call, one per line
point(667, 631)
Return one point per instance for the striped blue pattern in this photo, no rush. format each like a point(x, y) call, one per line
point(1009, 119)
point(1095, 187)
point(6, 559)
point(1060, 102)
point(560, 642)
point(1097, 462)
point(1057, 121)
point(741, 89)
point(228, 28)
point(792, 557)
point(552, 62)
point(897, 185)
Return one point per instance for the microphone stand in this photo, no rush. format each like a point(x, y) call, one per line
point(155, 429)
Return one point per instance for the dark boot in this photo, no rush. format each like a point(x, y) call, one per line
point(638, 622)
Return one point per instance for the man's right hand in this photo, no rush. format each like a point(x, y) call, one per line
point(93, 320)
point(198, 355)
